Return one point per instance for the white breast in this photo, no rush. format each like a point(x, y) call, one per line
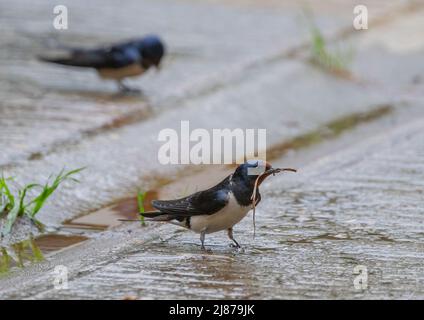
point(224, 219)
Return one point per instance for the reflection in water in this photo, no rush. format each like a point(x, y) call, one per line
point(109, 217)
point(18, 254)
point(33, 250)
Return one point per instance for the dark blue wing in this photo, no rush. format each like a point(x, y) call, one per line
point(203, 202)
point(121, 56)
point(118, 56)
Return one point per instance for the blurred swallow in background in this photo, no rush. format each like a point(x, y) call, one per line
point(220, 207)
point(116, 62)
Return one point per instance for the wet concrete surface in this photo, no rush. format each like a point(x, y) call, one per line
point(389, 55)
point(357, 207)
point(313, 229)
point(36, 94)
point(34, 250)
point(45, 106)
point(111, 179)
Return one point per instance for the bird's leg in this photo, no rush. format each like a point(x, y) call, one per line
point(126, 89)
point(202, 240)
point(230, 235)
point(122, 87)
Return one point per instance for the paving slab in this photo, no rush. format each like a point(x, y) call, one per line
point(286, 102)
point(390, 55)
point(360, 207)
point(44, 106)
point(355, 208)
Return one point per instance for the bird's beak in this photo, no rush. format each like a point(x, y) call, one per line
point(268, 171)
point(272, 171)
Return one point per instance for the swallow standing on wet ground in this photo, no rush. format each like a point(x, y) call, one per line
point(220, 207)
point(116, 62)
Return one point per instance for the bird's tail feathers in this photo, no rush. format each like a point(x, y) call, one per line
point(63, 60)
point(151, 214)
point(157, 216)
point(67, 61)
point(77, 58)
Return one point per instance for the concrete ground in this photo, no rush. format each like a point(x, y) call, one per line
point(357, 141)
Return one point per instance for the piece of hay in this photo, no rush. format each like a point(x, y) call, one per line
point(255, 188)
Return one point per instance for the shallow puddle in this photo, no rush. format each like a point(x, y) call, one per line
point(34, 250)
point(109, 216)
point(54, 242)
point(128, 208)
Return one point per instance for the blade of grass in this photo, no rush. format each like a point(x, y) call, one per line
point(4, 260)
point(38, 254)
point(140, 201)
point(3, 198)
point(22, 195)
point(40, 226)
point(6, 191)
point(11, 218)
point(3, 204)
point(15, 207)
point(332, 60)
point(39, 201)
point(2, 209)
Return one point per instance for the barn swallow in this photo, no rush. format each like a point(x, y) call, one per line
point(116, 62)
point(220, 207)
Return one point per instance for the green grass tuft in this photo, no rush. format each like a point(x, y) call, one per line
point(14, 205)
point(140, 201)
point(337, 61)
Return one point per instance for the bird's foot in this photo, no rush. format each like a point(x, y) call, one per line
point(131, 91)
point(124, 89)
point(236, 247)
point(206, 250)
